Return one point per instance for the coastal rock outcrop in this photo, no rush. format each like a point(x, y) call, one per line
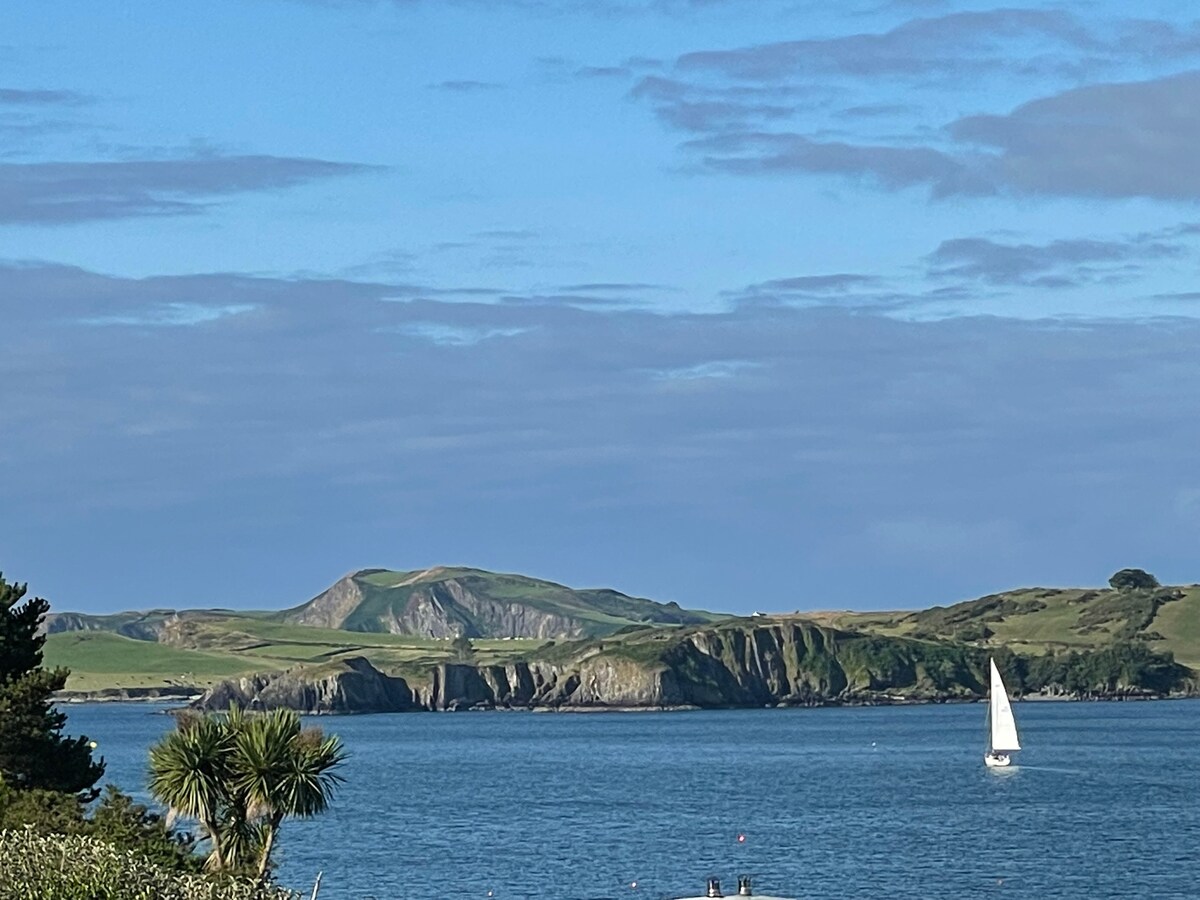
point(352, 685)
point(355, 685)
point(737, 665)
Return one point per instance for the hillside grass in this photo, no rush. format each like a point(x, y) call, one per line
point(1179, 624)
point(99, 659)
point(1033, 621)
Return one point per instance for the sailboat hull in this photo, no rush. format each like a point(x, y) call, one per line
point(997, 760)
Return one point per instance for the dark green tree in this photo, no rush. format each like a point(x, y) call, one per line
point(1133, 580)
point(34, 753)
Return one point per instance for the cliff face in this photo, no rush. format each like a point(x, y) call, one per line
point(451, 609)
point(772, 664)
point(141, 626)
point(357, 686)
point(448, 603)
point(354, 685)
point(331, 607)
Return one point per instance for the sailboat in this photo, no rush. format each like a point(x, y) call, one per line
point(1002, 727)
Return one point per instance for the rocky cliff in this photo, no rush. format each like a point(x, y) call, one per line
point(781, 662)
point(142, 626)
point(457, 602)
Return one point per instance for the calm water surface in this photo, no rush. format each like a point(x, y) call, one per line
point(833, 803)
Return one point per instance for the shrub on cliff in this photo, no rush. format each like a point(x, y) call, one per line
point(1133, 580)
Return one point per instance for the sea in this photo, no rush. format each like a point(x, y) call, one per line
point(870, 802)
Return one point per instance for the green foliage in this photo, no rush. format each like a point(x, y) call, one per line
point(116, 820)
point(1133, 580)
point(79, 867)
point(973, 633)
point(34, 754)
point(971, 615)
point(240, 776)
point(50, 812)
point(1127, 611)
point(1122, 667)
point(120, 821)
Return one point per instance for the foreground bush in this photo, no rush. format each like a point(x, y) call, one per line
point(73, 867)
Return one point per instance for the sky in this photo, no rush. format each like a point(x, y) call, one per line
point(744, 304)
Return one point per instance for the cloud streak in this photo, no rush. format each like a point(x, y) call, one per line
point(40, 97)
point(954, 43)
point(1061, 263)
point(1110, 141)
point(816, 106)
point(57, 193)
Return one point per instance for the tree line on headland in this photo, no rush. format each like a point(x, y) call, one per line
point(237, 777)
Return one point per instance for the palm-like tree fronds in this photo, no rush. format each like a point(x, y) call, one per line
point(189, 771)
point(242, 775)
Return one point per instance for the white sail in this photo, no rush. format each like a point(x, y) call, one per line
point(1004, 726)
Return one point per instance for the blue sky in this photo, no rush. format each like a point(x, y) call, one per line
point(747, 304)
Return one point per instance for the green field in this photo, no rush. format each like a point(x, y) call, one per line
point(211, 646)
point(99, 660)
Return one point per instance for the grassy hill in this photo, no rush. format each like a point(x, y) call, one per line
point(199, 647)
point(447, 601)
point(397, 619)
point(1036, 620)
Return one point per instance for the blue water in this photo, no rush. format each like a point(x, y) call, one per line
point(832, 803)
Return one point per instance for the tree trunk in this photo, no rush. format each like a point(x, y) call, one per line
point(264, 861)
point(215, 838)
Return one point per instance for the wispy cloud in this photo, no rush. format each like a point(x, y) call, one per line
point(703, 108)
point(1057, 264)
point(169, 315)
point(720, 368)
point(41, 97)
point(814, 106)
point(466, 86)
point(954, 43)
point(55, 193)
point(451, 335)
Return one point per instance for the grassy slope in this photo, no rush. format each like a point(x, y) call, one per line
point(1034, 620)
point(219, 646)
point(1179, 624)
point(98, 660)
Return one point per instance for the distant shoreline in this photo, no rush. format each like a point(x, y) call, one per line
point(183, 696)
